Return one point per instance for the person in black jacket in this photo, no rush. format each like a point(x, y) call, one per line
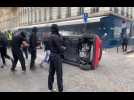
point(17, 43)
point(3, 49)
point(32, 48)
point(124, 36)
point(56, 49)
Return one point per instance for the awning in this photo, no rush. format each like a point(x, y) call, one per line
point(71, 22)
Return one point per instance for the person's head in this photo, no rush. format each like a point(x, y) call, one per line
point(22, 34)
point(34, 30)
point(123, 21)
point(55, 29)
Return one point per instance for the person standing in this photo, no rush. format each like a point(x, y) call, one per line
point(55, 44)
point(32, 48)
point(18, 42)
point(3, 49)
point(124, 37)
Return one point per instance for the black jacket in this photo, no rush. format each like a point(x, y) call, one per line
point(3, 40)
point(55, 44)
point(17, 41)
point(33, 41)
point(56, 41)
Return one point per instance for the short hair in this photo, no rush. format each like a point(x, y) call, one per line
point(22, 34)
point(54, 28)
point(34, 29)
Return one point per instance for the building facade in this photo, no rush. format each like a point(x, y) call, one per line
point(101, 20)
point(23, 16)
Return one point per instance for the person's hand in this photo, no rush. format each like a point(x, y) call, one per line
point(22, 46)
point(63, 47)
point(25, 44)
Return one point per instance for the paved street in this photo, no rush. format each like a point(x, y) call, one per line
point(115, 73)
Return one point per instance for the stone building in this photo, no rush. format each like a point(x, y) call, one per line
point(12, 17)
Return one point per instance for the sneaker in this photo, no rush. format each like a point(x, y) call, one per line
point(54, 90)
point(49, 90)
point(13, 70)
point(61, 91)
point(32, 68)
point(24, 70)
point(2, 66)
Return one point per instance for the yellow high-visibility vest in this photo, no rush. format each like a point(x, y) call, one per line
point(10, 35)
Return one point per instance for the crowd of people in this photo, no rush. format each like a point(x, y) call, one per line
point(19, 43)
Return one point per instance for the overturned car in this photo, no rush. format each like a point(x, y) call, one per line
point(82, 50)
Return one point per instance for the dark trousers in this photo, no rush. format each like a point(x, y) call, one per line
point(9, 43)
point(3, 52)
point(124, 47)
point(25, 50)
point(18, 55)
point(33, 57)
point(55, 66)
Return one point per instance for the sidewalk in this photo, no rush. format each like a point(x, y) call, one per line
point(119, 49)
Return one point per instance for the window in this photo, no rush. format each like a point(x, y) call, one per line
point(32, 15)
point(111, 8)
point(68, 13)
point(127, 12)
point(94, 9)
point(45, 14)
point(80, 11)
point(59, 12)
point(39, 10)
point(97, 9)
point(116, 10)
point(35, 15)
point(131, 13)
point(122, 11)
point(50, 13)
